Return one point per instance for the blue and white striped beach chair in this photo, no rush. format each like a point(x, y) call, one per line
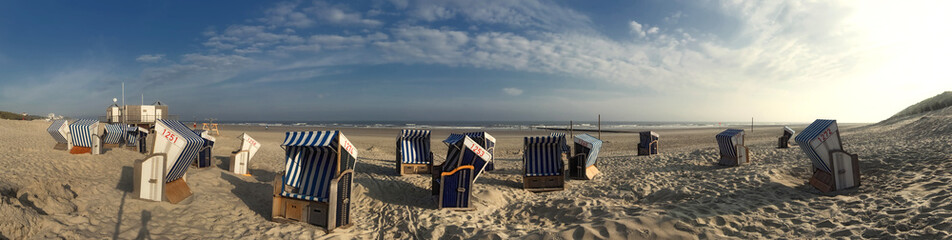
point(453, 180)
point(582, 164)
point(86, 136)
point(161, 175)
point(413, 152)
point(59, 130)
point(114, 135)
point(316, 185)
point(543, 164)
point(487, 142)
point(784, 140)
point(204, 158)
point(241, 158)
point(833, 168)
point(650, 143)
point(136, 138)
point(732, 149)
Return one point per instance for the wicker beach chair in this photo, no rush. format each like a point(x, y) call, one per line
point(543, 163)
point(315, 187)
point(833, 168)
point(114, 135)
point(204, 158)
point(453, 180)
point(784, 140)
point(650, 143)
point(59, 130)
point(136, 138)
point(413, 152)
point(162, 174)
point(487, 142)
point(582, 164)
point(242, 157)
point(732, 149)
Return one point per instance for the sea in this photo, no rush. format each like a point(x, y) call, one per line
point(499, 125)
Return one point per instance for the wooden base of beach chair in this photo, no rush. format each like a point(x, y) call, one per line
point(177, 190)
point(543, 183)
point(330, 215)
point(783, 142)
point(61, 146)
point(743, 156)
point(80, 150)
point(110, 146)
point(410, 168)
point(822, 181)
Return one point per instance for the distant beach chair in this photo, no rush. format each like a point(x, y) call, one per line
point(114, 135)
point(784, 140)
point(453, 180)
point(162, 174)
point(543, 164)
point(59, 130)
point(582, 164)
point(413, 152)
point(833, 168)
point(136, 138)
point(242, 157)
point(315, 187)
point(86, 135)
point(650, 143)
point(204, 158)
point(732, 149)
point(487, 142)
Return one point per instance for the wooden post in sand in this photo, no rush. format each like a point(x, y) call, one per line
point(572, 135)
point(751, 124)
point(599, 126)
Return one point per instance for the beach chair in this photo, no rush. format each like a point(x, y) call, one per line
point(453, 180)
point(161, 175)
point(413, 152)
point(582, 164)
point(136, 138)
point(650, 143)
point(315, 187)
point(732, 149)
point(204, 158)
point(784, 140)
point(242, 157)
point(59, 130)
point(113, 136)
point(86, 136)
point(543, 163)
point(833, 168)
point(487, 142)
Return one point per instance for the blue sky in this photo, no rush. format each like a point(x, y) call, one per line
point(787, 61)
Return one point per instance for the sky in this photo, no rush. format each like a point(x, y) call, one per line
point(490, 60)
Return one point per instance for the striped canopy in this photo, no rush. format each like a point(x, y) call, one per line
point(133, 133)
point(82, 132)
point(114, 133)
point(59, 130)
point(590, 146)
point(727, 139)
point(817, 140)
point(179, 143)
point(543, 155)
point(462, 150)
point(565, 146)
point(311, 162)
point(414, 146)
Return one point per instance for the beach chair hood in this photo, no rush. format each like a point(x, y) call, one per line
point(462, 150)
point(60, 131)
point(133, 133)
point(180, 145)
point(249, 144)
point(82, 132)
point(114, 133)
point(414, 146)
point(593, 144)
point(728, 139)
point(543, 155)
point(817, 140)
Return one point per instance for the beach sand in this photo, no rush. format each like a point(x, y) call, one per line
point(680, 194)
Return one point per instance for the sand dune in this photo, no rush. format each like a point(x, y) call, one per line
point(680, 194)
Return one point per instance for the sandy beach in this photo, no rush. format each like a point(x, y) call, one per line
point(679, 194)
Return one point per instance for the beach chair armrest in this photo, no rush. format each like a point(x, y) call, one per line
point(470, 167)
point(278, 183)
point(239, 151)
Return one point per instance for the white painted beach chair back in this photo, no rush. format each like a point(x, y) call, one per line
point(242, 157)
point(59, 130)
point(249, 144)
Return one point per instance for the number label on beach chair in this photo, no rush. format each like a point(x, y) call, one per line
point(347, 146)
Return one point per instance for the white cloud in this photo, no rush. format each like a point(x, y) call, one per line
point(636, 28)
point(150, 58)
point(512, 91)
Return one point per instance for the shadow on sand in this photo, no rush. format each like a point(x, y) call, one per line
point(256, 195)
